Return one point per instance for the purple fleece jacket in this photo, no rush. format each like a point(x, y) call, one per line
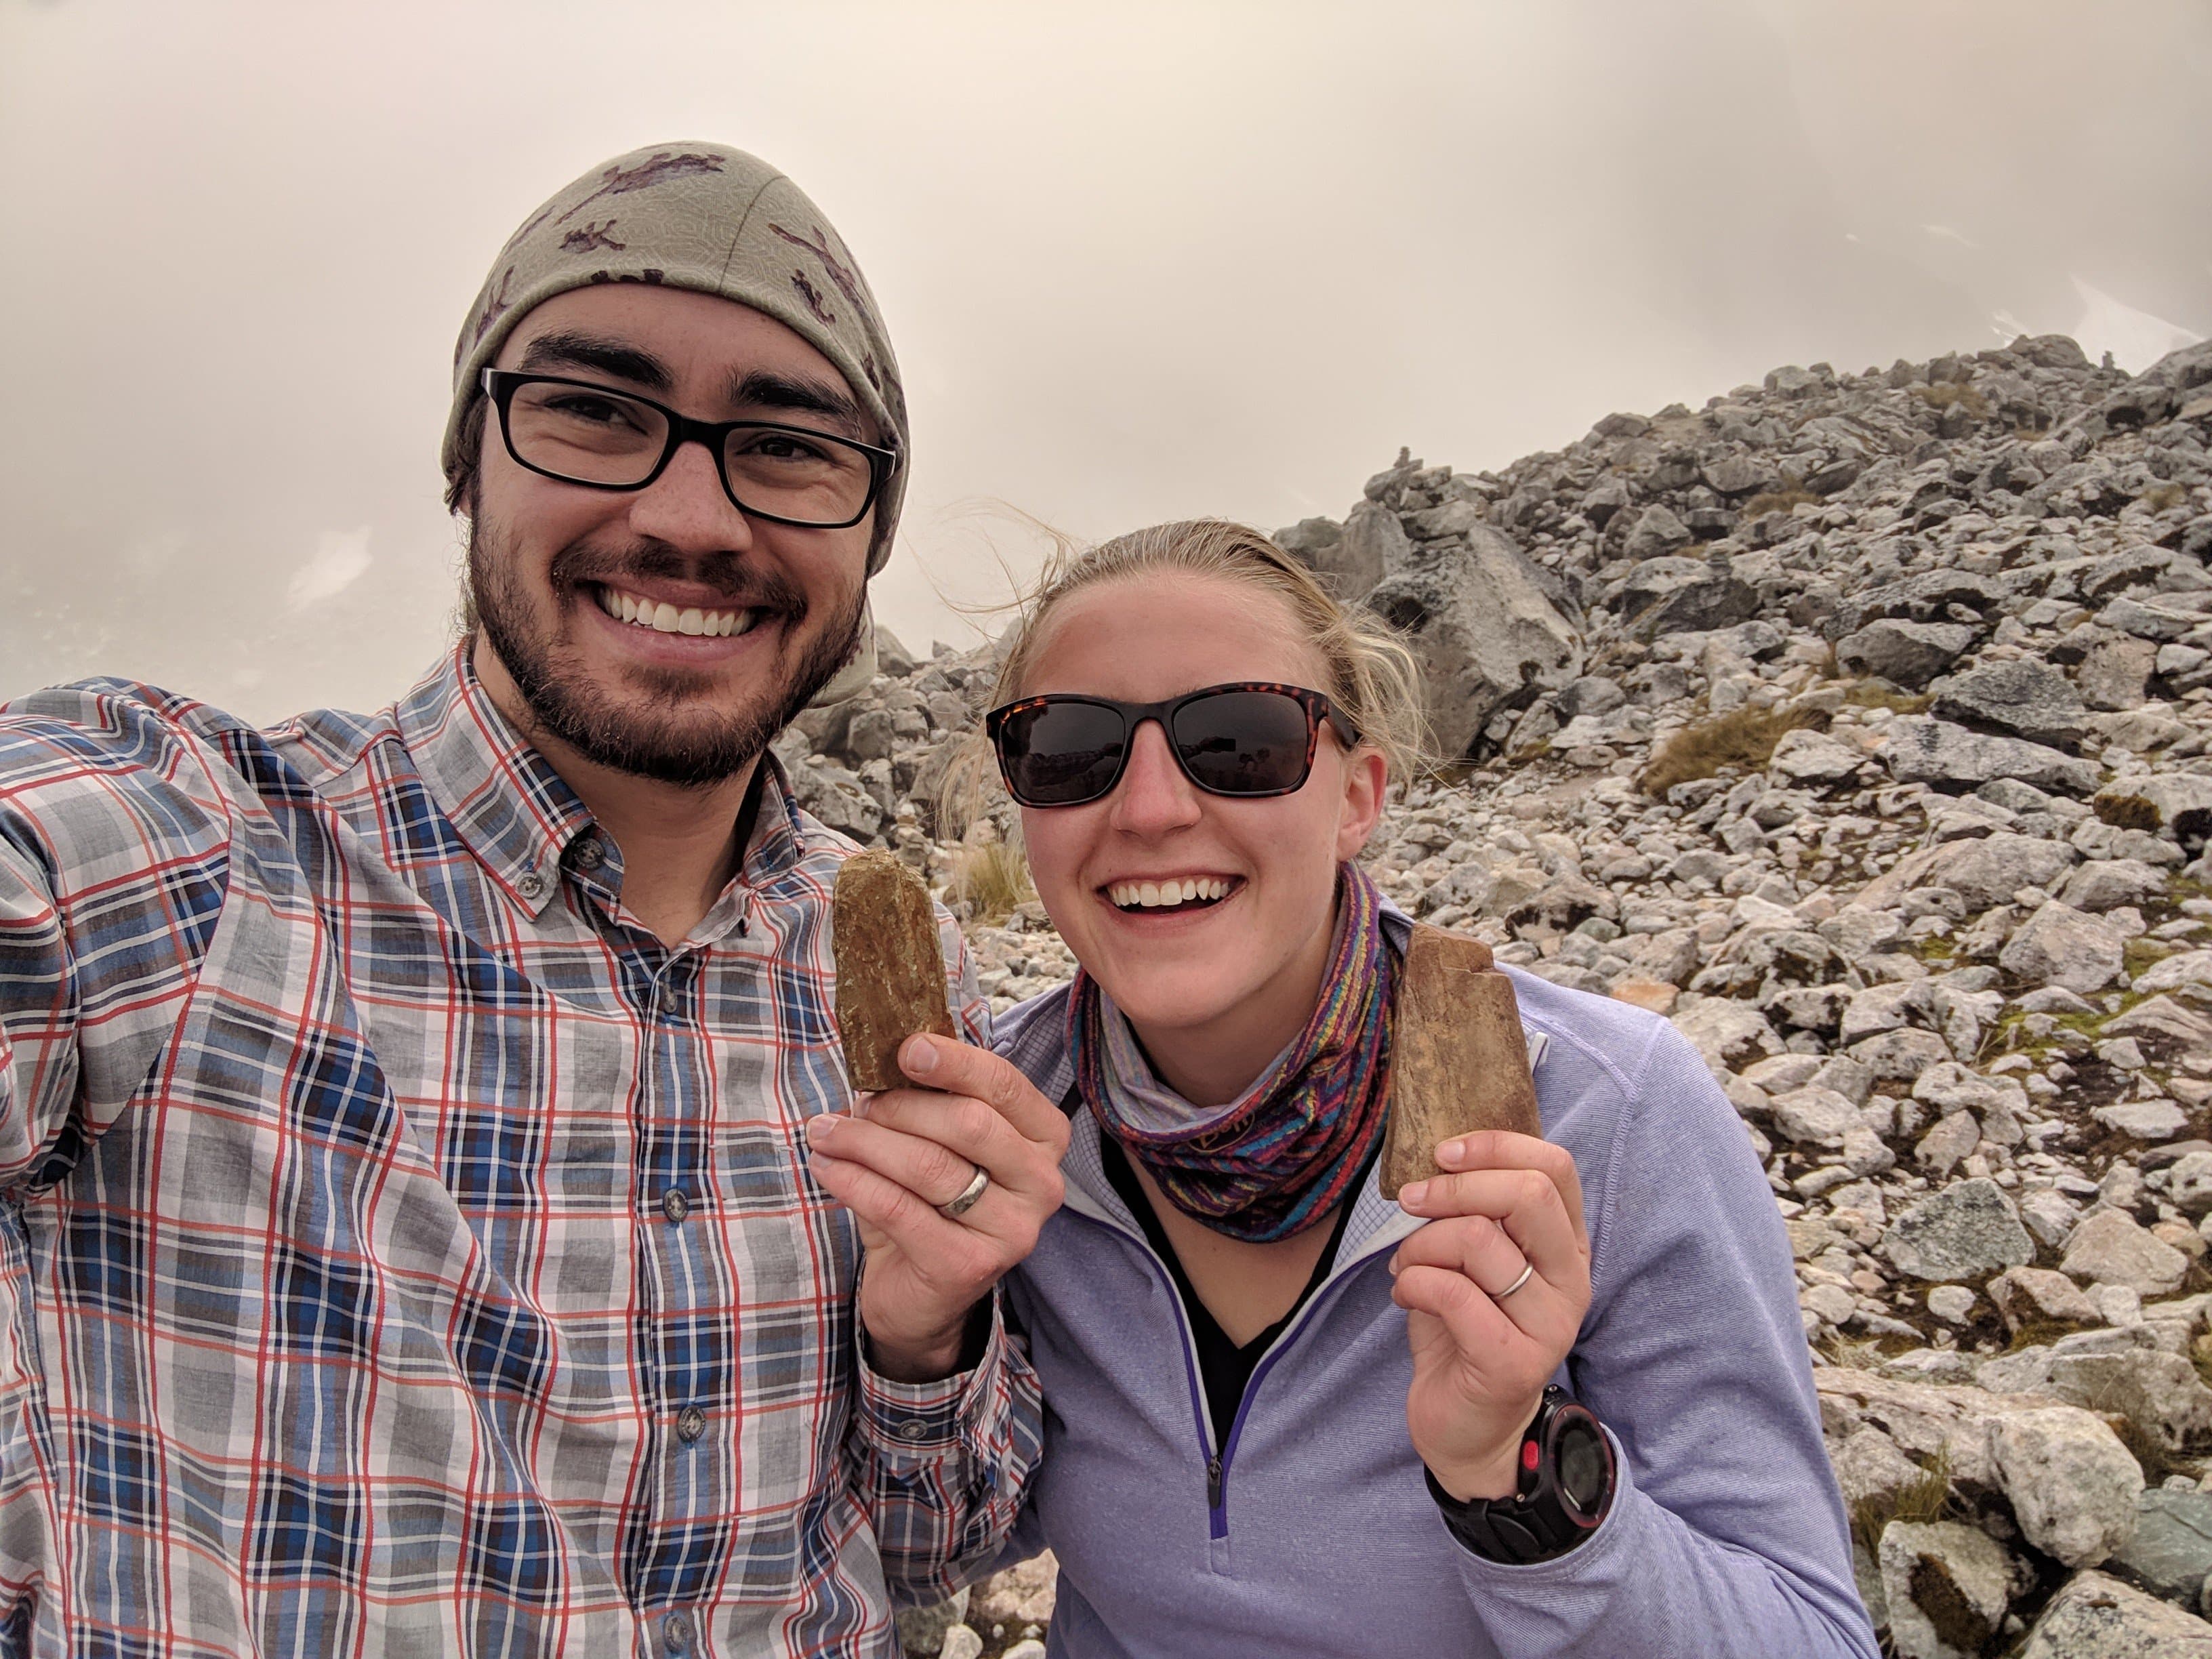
point(1310, 1532)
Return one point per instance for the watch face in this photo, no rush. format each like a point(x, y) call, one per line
point(1581, 1450)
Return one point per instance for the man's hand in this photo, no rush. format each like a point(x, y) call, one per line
point(1481, 1358)
point(900, 1155)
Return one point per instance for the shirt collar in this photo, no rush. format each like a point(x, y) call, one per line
point(501, 796)
point(516, 814)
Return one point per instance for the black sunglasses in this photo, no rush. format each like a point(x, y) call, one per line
point(1251, 739)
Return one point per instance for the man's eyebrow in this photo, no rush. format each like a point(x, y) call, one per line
point(763, 390)
point(556, 351)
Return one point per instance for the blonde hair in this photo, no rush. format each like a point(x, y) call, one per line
point(1366, 672)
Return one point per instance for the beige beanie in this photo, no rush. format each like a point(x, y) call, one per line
point(707, 217)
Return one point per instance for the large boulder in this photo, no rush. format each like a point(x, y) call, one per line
point(2061, 945)
point(1372, 546)
point(1948, 1587)
point(2023, 698)
point(1485, 633)
point(1726, 1033)
point(1965, 1231)
point(1918, 750)
point(2171, 1552)
point(1657, 534)
point(2111, 1247)
point(2096, 1617)
point(2072, 1485)
point(1932, 596)
point(1907, 653)
point(1983, 873)
point(2159, 1393)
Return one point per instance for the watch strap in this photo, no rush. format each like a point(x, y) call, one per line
point(1533, 1525)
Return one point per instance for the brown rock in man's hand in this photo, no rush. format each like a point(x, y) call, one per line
point(890, 967)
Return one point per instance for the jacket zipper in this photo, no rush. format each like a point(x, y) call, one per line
point(1218, 1458)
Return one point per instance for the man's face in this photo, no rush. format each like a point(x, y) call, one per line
point(552, 565)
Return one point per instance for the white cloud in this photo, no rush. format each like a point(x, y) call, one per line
point(340, 557)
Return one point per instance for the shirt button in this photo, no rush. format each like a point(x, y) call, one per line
point(690, 1424)
point(588, 852)
point(676, 1632)
point(675, 1204)
point(530, 885)
point(913, 1429)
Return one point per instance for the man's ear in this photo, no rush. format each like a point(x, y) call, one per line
point(1365, 778)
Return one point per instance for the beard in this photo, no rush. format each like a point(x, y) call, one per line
point(675, 726)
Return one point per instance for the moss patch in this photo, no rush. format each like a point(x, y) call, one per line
point(2126, 812)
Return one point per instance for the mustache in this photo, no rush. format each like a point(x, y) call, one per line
point(742, 586)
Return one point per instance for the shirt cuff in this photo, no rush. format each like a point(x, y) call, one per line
point(1595, 1552)
point(910, 1423)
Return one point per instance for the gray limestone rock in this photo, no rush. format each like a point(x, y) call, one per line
point(2024, 698)
point(2109, 1248)
point(2114, 672)
point(2060, 946)
point(1948, 1587)
point(1919, 749)
point(2096, 1617)
point(2038, 1296)
point(1906, 654)
point(2159, 1393)
point(2101, 884)
point(1658, 533)
point(1814, 1117)
point(2071, 1483)
point(1484, 631)
point(1806, 757)
point(2189, 1183)
point(1726, 1034)
point(2171, 1552)
point(1964, 1232)
point(1374, 545)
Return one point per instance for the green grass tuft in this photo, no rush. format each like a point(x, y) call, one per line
point(989, 881)
point(1743, 737)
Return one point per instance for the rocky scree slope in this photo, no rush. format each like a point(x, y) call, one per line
point(1861, 725)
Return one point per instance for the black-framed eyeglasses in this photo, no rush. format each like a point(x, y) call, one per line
point(1249, 738)
point(584, 434)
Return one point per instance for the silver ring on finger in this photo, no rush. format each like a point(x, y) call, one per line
point(955, 1208)
point(1528, 1272)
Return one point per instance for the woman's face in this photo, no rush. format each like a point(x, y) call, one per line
point(1234, 978)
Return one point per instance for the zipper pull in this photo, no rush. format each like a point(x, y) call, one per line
point(1213, 1483)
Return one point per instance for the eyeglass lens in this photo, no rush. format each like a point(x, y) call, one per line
point(1231, 743)
point(599, 437)
point(1243, 743)
point(1058, 754)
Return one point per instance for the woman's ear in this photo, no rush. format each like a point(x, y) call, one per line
point(1365, 778)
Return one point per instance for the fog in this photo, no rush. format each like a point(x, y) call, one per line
point(1139, 262)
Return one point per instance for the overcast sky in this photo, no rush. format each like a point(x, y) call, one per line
point(1139, 261)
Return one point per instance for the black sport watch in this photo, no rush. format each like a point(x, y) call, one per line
point(1564, 1490)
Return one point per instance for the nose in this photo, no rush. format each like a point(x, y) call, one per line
point(686, 507)
point(1153, 797)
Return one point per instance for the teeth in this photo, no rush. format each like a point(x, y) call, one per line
point(667, 619)
point(1162, 895)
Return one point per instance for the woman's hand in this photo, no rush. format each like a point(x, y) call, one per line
point(1482, 1350)
point(901, 1155)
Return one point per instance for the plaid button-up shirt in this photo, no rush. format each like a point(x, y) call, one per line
point(402, 1251)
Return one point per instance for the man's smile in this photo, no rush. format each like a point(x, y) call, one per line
point(642, 610)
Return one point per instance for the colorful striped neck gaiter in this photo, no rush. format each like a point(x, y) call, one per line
point(1280, 1157)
